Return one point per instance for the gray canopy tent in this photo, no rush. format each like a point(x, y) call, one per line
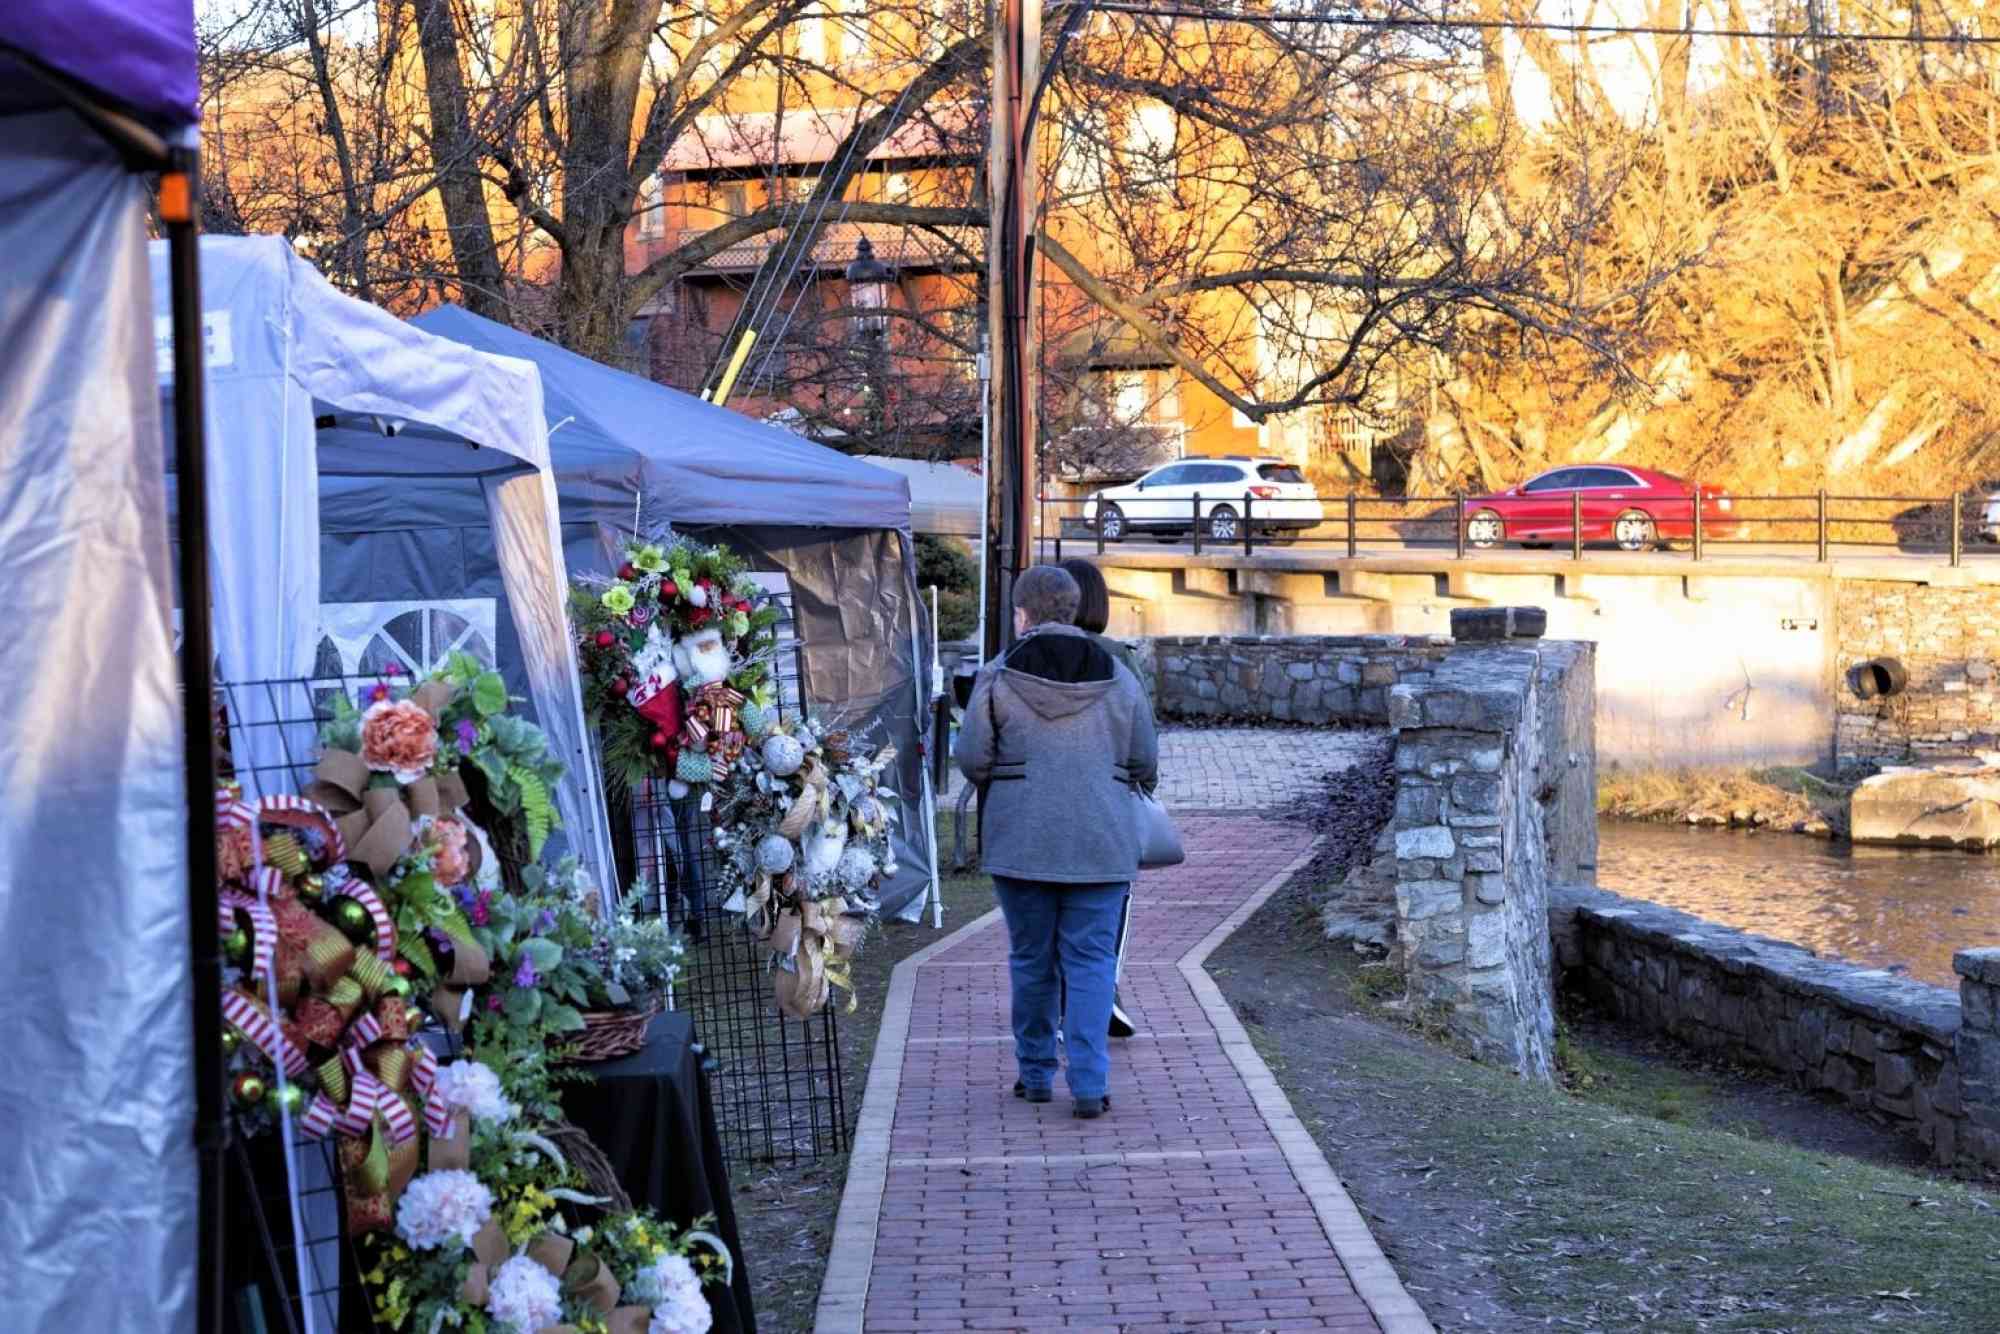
point(834, 531)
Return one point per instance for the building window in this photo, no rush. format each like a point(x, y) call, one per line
point(1131, 396)
point(652, 210)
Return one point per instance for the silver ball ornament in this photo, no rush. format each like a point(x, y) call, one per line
point(856, 868)
point(775, 854)
point(783, 754)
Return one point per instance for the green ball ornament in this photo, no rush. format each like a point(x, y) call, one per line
point(231, 1040)
point(236, 945)
point(248, 1089)
point(291, 1099)
point(352, 919)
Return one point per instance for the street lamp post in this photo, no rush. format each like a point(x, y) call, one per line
point(869, 284)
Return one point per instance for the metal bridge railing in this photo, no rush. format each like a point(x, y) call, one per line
point(1213, 523)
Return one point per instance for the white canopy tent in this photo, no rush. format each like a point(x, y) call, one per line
point(945, 499)
point(304, 383)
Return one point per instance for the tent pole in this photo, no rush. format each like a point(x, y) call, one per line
point(179, 191)
point(929, 805)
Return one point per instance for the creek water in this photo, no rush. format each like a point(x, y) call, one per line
point(1885, 907)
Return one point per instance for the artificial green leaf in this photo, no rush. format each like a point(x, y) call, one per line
point(563, 1019)
point(616, 994)
point(489, 694)
point(545, 954)
point(532, 879)
point(523, 1005)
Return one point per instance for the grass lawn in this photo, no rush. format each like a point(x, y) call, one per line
point(785, 1214)
point(1655, 1195)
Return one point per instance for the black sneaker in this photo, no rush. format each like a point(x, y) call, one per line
point(1032, 1095)
point(1089, 1109)
point(1121, 1023)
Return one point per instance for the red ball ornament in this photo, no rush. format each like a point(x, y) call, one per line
point(626, 571)
point(670, 589)
point(402, 968)
point(605, 639)
point(659, 741)
point(620, 686)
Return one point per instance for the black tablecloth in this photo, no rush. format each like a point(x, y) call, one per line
point(650, 1113)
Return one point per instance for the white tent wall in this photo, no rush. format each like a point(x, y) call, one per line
point(97, 1089)
point(286, 349)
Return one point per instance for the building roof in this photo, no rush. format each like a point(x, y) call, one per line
point(804, 136)
point(896, 245)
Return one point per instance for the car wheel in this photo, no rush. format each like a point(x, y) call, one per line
point(1111, 523)
point(1485, 530)
point(1222, 524)
point(1634, 531)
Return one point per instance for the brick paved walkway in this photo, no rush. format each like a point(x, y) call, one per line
point(1199, 1204)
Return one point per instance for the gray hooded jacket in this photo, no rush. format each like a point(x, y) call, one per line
point(1055, 734)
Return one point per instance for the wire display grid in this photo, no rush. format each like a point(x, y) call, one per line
point(776, 1081)
point(285, 1273)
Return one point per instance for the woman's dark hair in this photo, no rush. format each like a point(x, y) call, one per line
point(1093, 613)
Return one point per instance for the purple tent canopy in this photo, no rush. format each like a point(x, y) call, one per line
point(139, 54)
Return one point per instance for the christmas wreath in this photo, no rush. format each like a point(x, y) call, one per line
point(371, 909)
point(675, 655)
point(804, 828)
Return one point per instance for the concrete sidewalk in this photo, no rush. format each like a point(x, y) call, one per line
point(1200, 1203)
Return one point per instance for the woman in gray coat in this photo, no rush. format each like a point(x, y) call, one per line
point(1093, 617)
point(1055, 736)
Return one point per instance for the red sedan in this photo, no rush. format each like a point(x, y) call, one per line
point(1633, 507)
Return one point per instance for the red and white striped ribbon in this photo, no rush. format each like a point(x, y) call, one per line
point(263, 927)
point(321, 1117)
point(385, 926)
point(262, 1031)
point(370, 1098)
point(423, 1082)
point(336, 850)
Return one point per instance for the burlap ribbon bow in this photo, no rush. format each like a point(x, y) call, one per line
point(378, 823)
point(582, 1276)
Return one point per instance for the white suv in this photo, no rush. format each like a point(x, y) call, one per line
point(1271, 492)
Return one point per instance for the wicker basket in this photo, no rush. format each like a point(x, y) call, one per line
point(609, 1034)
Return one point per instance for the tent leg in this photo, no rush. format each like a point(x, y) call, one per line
point(211, 1127)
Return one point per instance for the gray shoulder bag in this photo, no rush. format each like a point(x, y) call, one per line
point(1159, 840)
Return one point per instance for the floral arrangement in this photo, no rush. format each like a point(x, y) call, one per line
point(676, 656)
point(469, 736)
point(804, 829)
point(479, 1242)
point(638, 956)
point(374, 907)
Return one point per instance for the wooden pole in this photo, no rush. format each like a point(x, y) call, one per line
point(1010, 272)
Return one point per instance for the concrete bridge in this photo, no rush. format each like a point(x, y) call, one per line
point(1737, 660)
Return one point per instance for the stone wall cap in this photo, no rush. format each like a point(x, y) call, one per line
point(1872, 993)
point(1981, 965)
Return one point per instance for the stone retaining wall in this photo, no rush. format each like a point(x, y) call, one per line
point(1949, 640)
point(1495, 797)
point(1291, 678)
point(1917, 1054)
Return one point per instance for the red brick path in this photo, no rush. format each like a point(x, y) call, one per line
point(1179, 1211)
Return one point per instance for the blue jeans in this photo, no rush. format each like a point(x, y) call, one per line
point(1062, 938)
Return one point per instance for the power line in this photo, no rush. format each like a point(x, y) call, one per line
point(1535, 25)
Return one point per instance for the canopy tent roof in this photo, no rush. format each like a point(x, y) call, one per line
point(139, 54)
point(305, 382)
point(616, 435)
point(945, 499)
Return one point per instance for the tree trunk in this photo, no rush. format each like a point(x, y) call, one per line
point(455, 154)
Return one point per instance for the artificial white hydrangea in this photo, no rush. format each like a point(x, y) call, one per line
point(471, 1086)
point(523, 1297)
point(443, 1206)
point(678, 1306)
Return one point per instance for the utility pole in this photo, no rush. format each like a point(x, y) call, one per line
point(1010, 270)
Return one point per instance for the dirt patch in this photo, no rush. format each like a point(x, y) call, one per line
point(1661, 1194)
